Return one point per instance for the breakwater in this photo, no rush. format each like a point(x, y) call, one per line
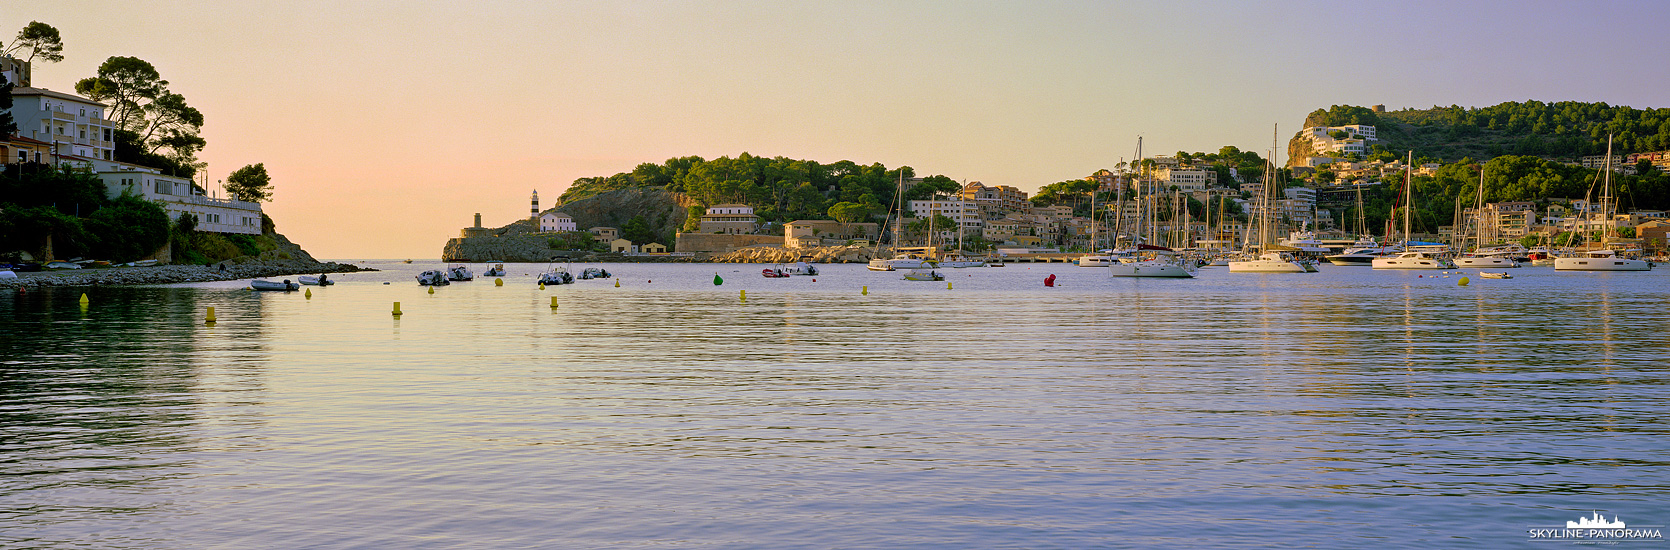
point(168, 274)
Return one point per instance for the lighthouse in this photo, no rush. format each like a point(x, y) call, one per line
point(535, 215)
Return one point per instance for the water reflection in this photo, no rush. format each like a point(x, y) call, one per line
point(1382, 407)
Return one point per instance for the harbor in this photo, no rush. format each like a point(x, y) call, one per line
point(859, 408)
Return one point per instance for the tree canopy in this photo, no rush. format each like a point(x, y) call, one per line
point(155, 127)
point(250, 183)
point(40, 40)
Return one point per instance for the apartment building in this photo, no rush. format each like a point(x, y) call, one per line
point(73, 125)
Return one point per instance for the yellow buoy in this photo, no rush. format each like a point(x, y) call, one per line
point(396, 309)
point(84, 298)
point(553, 302)
point(542, 286)
point(744, 295)
point(498, 282)
point(617, 283)
point(431, 290)
point(1462, 282)
point(308, 294)
point(210, 318)
point(866, 291)
point(947, 285)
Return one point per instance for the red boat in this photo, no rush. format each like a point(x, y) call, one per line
point(773, 273)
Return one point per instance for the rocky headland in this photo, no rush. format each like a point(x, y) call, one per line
point(286, 259)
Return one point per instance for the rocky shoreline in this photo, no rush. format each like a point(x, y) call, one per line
point(167, 274)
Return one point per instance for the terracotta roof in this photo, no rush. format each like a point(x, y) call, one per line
point(20, 139)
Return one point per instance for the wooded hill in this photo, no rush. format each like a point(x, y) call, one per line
point(1562, 130)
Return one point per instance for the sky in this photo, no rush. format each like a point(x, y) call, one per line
point(387, 125)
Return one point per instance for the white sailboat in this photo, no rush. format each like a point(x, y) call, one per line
point(1604, 258)
point(1411, 259)
point(900, 260)
point(1145, 260)
point(1268, 261)
point(1481, 256)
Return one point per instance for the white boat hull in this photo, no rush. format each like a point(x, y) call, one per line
point(1149, 269)
point(1095, 261)
point(1601, 264)
point(1484, 262)
point(1267, 266)
point(1363, 260)
point(1411, 263)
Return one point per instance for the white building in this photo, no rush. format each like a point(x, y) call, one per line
point(180, 196)
point(965, 212)
point(556, 221)
point(1186, 179)
point(74, 125)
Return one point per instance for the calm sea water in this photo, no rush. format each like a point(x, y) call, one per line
point(1347, 408)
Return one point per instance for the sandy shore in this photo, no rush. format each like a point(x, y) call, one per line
point(165, 274)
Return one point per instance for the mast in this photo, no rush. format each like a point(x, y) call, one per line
point(1606, 205)
point(1408, 198)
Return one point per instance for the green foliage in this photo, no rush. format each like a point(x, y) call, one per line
point(574, 240)
point(128, 229)
point(692, 217)
point(41, 40)
point(1560, 130)
point(250, 183)
point(849, 212)
point(1343, 115)
point(73, 191)
point(159, 122)
point(780, 189)
point(932, 186)
point(8, 125)
point(27, 227)
point(637, 230)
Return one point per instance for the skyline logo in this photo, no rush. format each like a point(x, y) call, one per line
point(1597, 522)
point(1596, 529)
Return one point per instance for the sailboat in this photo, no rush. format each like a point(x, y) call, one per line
point(1146, 260)
point(1409, 258)
point(900, 260)
point(1482, 256)
point(1603, 258)
point(1268, 261)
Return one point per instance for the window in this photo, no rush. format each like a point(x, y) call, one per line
point(83, 111)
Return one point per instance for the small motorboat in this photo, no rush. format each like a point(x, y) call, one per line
point(1495, 275)
point(459, 272)
point(923, 275)
point(62, 265)
point(555, 276)
point(433, 277)
point(774, 273)
point(496, 271)
point(263, 284)
point(595, 273)
point(800, 268)
point(321, 280)
point(407, 261)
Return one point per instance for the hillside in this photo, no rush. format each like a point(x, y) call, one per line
point(1560, 131)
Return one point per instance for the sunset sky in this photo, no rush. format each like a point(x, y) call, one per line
point(387, 125)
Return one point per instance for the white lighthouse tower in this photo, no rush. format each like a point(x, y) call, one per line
point(535, 215)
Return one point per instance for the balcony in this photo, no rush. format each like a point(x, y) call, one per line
point(57, 115)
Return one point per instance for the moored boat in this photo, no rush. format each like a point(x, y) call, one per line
point(433, 277)
point(923, 275)
point(320, 280)
point(459, 272)
point(1601, 260)
point(263, 284)
point(496, 271)
point(1495, 275)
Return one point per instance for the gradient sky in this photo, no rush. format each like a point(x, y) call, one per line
point(387, 125)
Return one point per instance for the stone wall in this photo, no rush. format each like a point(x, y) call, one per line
point(710, 242)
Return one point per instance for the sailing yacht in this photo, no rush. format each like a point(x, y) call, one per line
point(1268, 261)
point(1410, 259)
point(1147, 260)
point(1604, 258)
point(900, 260)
